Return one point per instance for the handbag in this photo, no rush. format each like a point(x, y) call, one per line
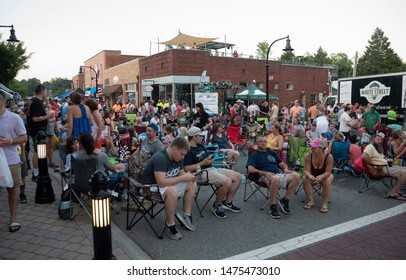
point(6, 180)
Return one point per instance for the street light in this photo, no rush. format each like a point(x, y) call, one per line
point(95, 73)
point(101, 220)
point(44, 192)
point(288, 48)
point(12, 38)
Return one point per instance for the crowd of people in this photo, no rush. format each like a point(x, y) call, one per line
point(175, 139)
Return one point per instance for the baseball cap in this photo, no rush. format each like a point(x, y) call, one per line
point(315, 143)
point(153, 126)
point(195, 131)
point(381, 134)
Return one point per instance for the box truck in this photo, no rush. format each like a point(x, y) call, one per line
point(382, 90)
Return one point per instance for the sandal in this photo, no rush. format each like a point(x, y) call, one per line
point(323, 209)
point(397, 197)
point(308, 206)
point(14, 226)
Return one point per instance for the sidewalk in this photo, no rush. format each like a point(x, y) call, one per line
point(43, 235)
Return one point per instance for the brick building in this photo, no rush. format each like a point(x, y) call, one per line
point(176, 73)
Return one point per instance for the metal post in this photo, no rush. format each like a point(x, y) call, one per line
point(287, 48)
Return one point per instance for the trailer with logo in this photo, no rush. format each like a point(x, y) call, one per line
point(382, 90)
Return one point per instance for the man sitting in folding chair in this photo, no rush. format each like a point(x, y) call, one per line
point(318, 168)
point(275, 174)
point(374, 155)
point(165, 169)
point(227, 180)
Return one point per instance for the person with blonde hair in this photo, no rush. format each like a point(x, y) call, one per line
point(274, 141)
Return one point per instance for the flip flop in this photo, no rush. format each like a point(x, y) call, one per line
point(323, 209)
point(397, 197)
point(308, 206)
point(14, 226)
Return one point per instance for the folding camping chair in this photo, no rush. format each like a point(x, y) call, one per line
point(293, 148)
point(340, 151)
point(204, 181)
point(144, 201)
point(233, 133)
point(77, 187)
point(252, 187)
point(302, 152)
point(370, 180)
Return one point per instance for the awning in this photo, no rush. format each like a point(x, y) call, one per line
point(7, 91)
point(62, 95)
point(108, 90)
point(188, 40)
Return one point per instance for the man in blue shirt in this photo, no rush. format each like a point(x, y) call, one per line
point(275, 174)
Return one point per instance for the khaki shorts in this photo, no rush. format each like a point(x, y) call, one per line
point(216, 175)
point(282, 177)
point(181, 187)
point(15, 170)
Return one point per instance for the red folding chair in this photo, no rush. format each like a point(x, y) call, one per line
point(233, 134)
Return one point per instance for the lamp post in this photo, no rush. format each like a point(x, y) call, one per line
point(95, 74)
point(45, 192)
point(288, 48)
point(101, 221)
point(12, 38)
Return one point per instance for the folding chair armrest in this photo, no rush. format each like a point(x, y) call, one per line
point(204, 174)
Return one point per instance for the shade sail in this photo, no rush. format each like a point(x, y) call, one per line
point(187, 40)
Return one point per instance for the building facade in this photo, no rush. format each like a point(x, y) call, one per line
point(176, 74)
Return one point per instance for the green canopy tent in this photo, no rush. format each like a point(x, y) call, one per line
point(251, 93)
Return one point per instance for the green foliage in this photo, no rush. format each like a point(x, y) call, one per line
point(19, 87)
point(379, 57)
point(343, 63)
point(262, 49)
point(13, 58)
point(30, 85)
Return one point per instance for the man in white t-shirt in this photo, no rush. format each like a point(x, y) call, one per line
point(253, 109)
point(274, 110)
point(345, 122)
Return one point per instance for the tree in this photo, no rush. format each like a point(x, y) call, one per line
point(262, 49)
point(13, 58)
point(19, 87)
point(30, 85)
point(379, 57)
point(321, 57)
point(343, 63)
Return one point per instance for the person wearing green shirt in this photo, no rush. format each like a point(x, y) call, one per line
point(392, 116)
point(372, 118)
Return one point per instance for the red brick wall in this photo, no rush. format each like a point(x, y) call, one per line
point(306, 80)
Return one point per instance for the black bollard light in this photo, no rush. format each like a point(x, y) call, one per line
point(44, 192)
point(101, 216)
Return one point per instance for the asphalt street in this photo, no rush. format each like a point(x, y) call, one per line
point(253, 228)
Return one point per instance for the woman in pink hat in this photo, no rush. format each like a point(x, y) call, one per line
point(318, 167)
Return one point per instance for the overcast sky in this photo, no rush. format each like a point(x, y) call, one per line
point(63, 34)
